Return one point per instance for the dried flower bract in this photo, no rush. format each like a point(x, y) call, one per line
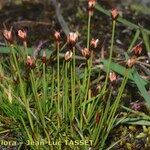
point(57, 36)
point(91, 6)
point(94, 43)
point(22, 35)
point(131, 61)
point(8, 35)
point(30, 62)
point(137, 49)
point(68, 55)
point(86, 52)
point(112, 76)
point(44, 57)
point(72, 39)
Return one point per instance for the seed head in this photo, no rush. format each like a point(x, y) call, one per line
point(44, 57)
point(137, 49)
point(94, 43)
point(68, 55)
point(22, 35)
point(91, 6)
point(131, 61)
point(8, 35)
point(112, 76)
point(72, 39)
point(114, 14)
point(57, 36)
point(86, 53)
point(30, 62)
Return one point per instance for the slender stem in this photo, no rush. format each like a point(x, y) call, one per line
point(66, 90)
point(89, 62)
point(111, 119)
point(73, 74)
point(22, 89)
point(110, 56)
point(25, 52)
point(41, 115)
point(58, 83)
point(88, 34)
point(85, 86)
point(25, 45)
point(51, 101)
point(44, 89)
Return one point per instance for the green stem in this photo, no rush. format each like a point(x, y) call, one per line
point(88, 34)
point(58, 85)
point(110, 56)
point(44, 89)
point(73, 74)
point(22, 89)
point(41, 115)
point(85, 85)
point(66, 90)
point(111, 119)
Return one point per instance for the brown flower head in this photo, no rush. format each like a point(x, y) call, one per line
point(72, 39)
point(94, 43)
point(57, 36)
point(22, 35)
point(114, 14)
point(68, 55)
point(112, 76)
point(91, 6)
point(30, 62)
point(137, 49)
point(131, 61)
point(86, 52)
point(44, 57)
point(8, 35)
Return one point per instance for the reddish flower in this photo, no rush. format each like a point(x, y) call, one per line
point(22, 35)
point(86, 53)
point(114, 13)
point(112, 76)
point(68, 55)
point(137, 49)
point(94, 43)
point(91, 5)
point(57, 36)
point(8, 35)
point(72, 39)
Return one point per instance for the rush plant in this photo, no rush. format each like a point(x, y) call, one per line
point(48, 101)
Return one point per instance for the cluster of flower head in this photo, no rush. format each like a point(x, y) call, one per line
point(8, 35)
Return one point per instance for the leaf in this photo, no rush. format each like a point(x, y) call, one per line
point(146, 41)
point(134, 39)
point(138, 81)
point(140, 9)
point(136, 121)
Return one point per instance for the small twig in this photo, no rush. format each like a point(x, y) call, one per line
point(28, 22)
point(143, 63)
